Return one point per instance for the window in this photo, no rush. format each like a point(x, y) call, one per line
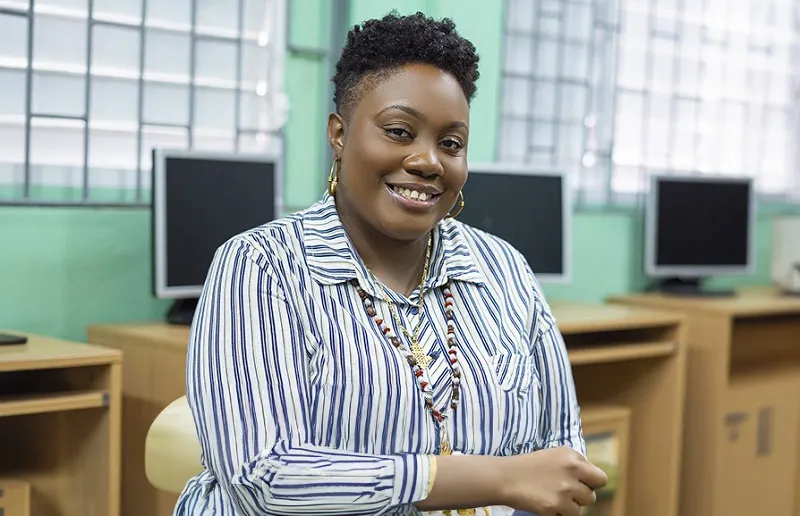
point(85, 96)
point(613, 90)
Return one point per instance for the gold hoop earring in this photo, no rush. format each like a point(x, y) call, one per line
point(333, 177)
point(459, 206)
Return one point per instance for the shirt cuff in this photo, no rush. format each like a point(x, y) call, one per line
point(412, 475)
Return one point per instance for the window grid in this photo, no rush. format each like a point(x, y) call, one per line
point(110, 85)
point(671, 86)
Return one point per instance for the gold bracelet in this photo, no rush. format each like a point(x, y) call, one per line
point(432, 465)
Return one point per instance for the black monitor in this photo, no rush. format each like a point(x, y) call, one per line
point(200, 200)
point(698, 226)
point(529, 208)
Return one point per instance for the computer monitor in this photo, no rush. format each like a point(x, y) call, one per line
point(527, 207)
point(698, 226)
point(200, 200)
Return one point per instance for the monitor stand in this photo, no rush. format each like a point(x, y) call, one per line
point(690, 287)
point(182, 311)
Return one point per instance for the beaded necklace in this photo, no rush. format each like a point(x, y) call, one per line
point(417, 359)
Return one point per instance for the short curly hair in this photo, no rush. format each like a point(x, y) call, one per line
point(378, 47)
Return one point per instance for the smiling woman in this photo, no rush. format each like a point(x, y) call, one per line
point(371, 354)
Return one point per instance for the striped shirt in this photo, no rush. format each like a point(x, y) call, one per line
point(303, 406)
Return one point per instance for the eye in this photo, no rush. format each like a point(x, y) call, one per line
point(398, 132)
point(451, 144)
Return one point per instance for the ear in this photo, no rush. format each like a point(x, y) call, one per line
point(336, 134)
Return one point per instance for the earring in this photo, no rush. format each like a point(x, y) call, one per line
point(333, 176)
point(459, 206)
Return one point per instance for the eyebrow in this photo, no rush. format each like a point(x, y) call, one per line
point(416, 114)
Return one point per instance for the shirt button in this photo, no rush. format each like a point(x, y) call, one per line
point(414, 310)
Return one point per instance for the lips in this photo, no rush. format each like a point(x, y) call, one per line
point(413, 197)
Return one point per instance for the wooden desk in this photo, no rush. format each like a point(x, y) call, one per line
point(60, 414)
point(634, 360)
point(623, 357)
point(154, 376)
point(742, 451)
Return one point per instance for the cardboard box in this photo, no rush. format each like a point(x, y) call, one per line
point(606, 430)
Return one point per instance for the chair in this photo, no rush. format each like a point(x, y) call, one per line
point(172, 450)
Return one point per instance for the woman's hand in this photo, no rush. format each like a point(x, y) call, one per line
point(553, 482)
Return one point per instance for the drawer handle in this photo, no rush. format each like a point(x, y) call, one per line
point(764, 441)
point(732, 421)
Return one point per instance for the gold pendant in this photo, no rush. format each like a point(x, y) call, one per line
point(419, 355)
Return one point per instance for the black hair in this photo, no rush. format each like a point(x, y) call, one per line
point(378, 47)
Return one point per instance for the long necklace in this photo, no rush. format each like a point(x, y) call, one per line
point(416, 357)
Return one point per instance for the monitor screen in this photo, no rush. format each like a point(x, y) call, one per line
point(200, 201)
point(698, 226)
point(526, 208)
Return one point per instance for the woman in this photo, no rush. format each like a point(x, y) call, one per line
point(340, 356)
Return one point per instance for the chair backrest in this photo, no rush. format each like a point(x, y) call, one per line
point(172, 450)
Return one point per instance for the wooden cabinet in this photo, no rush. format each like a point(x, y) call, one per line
point(628, 359)
point(60, 412)
point(758, 451)
point(154, 376)
point(742, 432)
point(632, 361)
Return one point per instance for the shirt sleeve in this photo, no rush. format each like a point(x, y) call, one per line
point(247, 386)
point(560, 415)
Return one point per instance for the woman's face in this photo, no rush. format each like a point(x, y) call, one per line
point(403, 152)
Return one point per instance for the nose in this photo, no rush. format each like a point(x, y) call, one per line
point(424, 162)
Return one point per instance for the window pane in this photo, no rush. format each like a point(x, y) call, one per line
point(215, 60)
point(254, 11)
point(520, 15)
point(518, 54)
point(160, 138)
point(171, 13)
point(573, 102)
point(254, 62)
point(167, 55)
point(14, 43)
point(516, 96)
point(115, 51)
point(112, 149)
point(217, 143)
point(544, 97)
point(118, 9)
point(61, 95)
point(12, 143)
point(213, 15)
point(215, 109)
point(166, 104)
point(250, 109)
point(513, 136)
point(115, 102)
point(547, 59)
point(578, 21)
point(59, 42)
point(57, 142)
point(576, 61)
point(12, 92)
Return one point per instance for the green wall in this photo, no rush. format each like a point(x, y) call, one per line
point(64, 268)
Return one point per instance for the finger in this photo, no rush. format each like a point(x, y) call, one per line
point(584, 496)
point(593, 476)
point(573, 509)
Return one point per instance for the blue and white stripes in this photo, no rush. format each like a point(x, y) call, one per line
point(303, 406)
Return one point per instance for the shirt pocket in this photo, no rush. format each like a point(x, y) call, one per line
point(515, 373)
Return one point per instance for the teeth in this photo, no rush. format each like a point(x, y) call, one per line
point(413, 194)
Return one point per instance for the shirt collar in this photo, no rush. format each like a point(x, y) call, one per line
point(332, 259)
